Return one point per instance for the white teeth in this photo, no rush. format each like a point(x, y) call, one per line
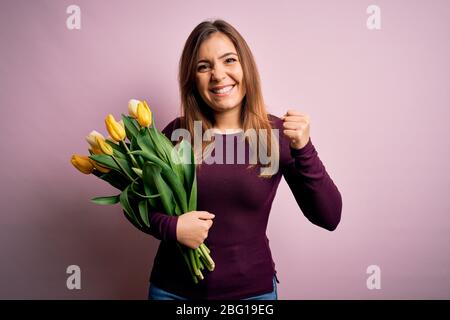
point(223, 90)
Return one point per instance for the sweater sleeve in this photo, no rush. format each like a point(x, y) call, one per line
point(313, 189)
point(162, 226)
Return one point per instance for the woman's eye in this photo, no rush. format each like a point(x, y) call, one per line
point(230, 60)
point(202, 67)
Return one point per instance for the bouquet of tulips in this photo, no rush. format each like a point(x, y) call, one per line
point(149, 171)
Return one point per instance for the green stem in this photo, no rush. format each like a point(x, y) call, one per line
point(120, 166)
point(199, 259)
point(203, 250)
point(204, 247)
point(129, 153)
point(193, 262)
point(186, 259)
point(142, 195)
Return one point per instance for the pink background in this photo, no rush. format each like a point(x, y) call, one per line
point(378, 102)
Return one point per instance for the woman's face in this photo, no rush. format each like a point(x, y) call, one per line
point(219, 75)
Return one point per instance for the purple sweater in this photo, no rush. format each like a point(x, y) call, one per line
point(241, 202)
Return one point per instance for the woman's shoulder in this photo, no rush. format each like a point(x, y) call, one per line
point(176, 123)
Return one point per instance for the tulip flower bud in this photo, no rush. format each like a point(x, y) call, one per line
point(106, 148)
point(132, 107)
point(82, 163)
point(91, 138)
point(96, 150)
point(99, 167)
point(144, 115)
point(115, 129)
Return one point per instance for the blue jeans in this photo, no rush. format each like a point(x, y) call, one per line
point(155, 293)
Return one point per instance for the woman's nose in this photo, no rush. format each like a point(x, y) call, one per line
point(217, 74)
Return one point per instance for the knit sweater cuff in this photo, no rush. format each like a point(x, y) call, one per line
point(307, 149)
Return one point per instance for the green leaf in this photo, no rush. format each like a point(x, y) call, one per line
point(152, 172)
point(153, 135)
point(151, 190)
point(164, 147)
point(145, 196)
point(131, 129)
point(106, 161)
point(117, 149)
point(153, 128)
point(145, 142)
point(172, 180)
point(126, 165)
point(151, 157)
point(172, 156)
point(134, 146)
point(106, 200)
point(127, 207)
point(186, 156)
point(193, 195)
point(115, 179)
point(143, 211)
point(137, 171)
point(177, 210)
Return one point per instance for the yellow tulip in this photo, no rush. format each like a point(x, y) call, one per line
point(82, 163)
point(132, 107)
point(96, 150)
point(91, 138)
point(144, 115)
point(106, 148)
point(115, 129)
point(99, 167)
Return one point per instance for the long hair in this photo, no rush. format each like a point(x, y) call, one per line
point(194, 108)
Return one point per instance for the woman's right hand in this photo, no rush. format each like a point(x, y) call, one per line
point(193, 227)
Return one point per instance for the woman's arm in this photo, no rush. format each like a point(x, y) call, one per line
point(313, 189)
point(162, 226)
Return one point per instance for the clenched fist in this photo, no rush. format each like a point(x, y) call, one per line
point(193, 227)
point(296, 128)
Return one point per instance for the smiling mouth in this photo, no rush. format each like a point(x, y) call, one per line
point(222, 91)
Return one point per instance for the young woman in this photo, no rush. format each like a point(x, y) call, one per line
point(220, 87)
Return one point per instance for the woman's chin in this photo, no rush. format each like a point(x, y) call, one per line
point(222, 107)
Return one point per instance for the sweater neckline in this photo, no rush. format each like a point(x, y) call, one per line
point(227, 131)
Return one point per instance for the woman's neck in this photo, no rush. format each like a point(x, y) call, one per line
point(230, 119)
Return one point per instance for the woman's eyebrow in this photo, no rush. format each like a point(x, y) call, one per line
point(222, 56)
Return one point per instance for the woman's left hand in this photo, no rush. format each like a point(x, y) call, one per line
point(296, 128)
